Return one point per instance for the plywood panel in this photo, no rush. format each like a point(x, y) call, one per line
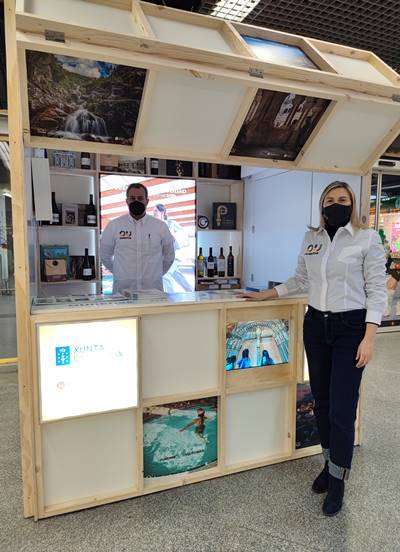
point(85, 14)
point(179, 353)
point(90, 456)
point(351, 134)
point(356, 68)
point(186, 34)
point(257, 425)
point(190, 114)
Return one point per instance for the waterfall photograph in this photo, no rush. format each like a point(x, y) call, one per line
point(83, 99)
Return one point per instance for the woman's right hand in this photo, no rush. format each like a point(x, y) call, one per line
point(259, 295)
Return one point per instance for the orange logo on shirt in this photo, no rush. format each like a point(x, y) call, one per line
point(313, 249)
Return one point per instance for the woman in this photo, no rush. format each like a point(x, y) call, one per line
point(342, 267)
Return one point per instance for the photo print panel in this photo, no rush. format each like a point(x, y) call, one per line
point(277, 52)
point(256, 344)
point(306, 424)
point(278, 125)
point(180, 437)
point(83, 99)
point(394, 149)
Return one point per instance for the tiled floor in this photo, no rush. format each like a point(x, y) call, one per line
point(268, 509)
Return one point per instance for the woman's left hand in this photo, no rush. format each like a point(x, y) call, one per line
point(364, 352)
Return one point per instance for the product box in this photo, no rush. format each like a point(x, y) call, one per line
point(109, 163)
point(53, 252)
point(55, 270)
point(224, 216)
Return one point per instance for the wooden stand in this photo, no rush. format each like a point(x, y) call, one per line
point(194, 103)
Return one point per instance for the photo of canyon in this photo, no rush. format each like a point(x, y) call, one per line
point(278, 125)
point(83, 99)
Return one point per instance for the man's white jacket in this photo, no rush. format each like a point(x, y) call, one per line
point(137, 252)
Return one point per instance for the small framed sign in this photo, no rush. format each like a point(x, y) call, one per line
point(224, 216)
point(70, 214)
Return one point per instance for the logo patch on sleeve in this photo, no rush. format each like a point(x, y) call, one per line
point(313, 249)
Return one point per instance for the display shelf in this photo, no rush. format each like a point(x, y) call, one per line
point(208, 231)
point(93, 281)
point(73, 172)
point(65, 226)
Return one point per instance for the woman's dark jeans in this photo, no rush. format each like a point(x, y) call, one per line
point(331, 341)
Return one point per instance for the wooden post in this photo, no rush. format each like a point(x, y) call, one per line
point(20, 236)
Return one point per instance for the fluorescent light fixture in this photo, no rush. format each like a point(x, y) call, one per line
point(235, 10)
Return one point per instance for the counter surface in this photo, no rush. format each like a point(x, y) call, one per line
point(153, 298)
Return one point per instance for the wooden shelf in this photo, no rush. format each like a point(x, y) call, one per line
point(66, 226)
point(72, 172)
point(200, 231)
point(94, 281)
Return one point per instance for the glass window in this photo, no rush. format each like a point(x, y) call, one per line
point(8, 346)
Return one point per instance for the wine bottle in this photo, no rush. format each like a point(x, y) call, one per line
point(200, 264)
point(55, 211)
point(153, 166)
point(210, 265)
point(85, 161)
point(221, 263)
point(231, 263)
point(87, 272)
point(91, 215)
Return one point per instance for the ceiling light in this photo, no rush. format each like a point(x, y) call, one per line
point(235, 10)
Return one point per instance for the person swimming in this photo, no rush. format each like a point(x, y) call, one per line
point(198, 422)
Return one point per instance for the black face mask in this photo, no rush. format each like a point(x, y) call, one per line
point(137, 208)
point(337, 214)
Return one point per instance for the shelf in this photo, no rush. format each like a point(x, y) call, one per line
point(72, 172)
point(66, 226)
point(94, 281)
point(208, 231)
point(222, 180)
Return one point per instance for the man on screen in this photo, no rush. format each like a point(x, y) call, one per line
point(137, 248)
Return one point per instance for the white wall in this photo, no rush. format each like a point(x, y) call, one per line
point(278, 206)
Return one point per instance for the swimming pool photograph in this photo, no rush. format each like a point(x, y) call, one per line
point(180, 437)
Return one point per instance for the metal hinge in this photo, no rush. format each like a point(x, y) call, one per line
point(54, 36)
point(254, 72)
point(396, 98)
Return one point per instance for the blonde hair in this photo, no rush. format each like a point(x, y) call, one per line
point(354, 218)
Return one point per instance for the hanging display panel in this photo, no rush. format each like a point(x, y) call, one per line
point(278, 125)
point(82, 99)
point(394, 148)
point(87, 367)
point(278, 52)
point(256, 343)
point(180, 437)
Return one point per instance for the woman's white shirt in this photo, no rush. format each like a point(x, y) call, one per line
point(344, 274)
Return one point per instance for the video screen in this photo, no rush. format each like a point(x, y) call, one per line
point(180, 437)
point(171, 200)
point(256, 343)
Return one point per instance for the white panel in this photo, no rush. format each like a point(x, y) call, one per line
point(321, 180)
point(179, 353)
point(87, 367)
point(276, 215)
point(257, 425)
point(85, 14)
point(351, 134)
point(41, 188)
point(72, 188)
point(190, 114)
point(186, 34)
point(3, 125)
point(88, 457)
point(356, 68)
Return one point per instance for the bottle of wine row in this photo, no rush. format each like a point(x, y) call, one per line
point(231, 263)
point(87, 272)
point(211, 268)
point(91, 214)
point(85, 161)
point(200, 264)
point(55, 211)
point(221, 263)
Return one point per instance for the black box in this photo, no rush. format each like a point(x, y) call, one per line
point(224, 216)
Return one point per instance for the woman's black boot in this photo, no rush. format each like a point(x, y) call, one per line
point(321, 482)
point(334, 499)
